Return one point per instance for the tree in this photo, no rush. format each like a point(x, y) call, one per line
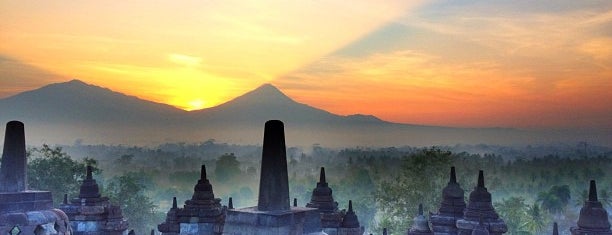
point(513, 212)
point(555, 200)
point(536, 221)
point(423, 176)
point(53, 170)
point(128, 191)
point(227, 167)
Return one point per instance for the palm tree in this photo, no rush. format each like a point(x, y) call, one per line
point(555, 200)
point(550, 202)
point(536, 221)
point(513, 212)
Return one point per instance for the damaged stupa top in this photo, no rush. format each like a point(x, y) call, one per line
point(274, 181)
point(13, 176)
point(21, 210)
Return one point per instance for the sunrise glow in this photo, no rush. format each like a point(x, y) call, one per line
point(469, 63)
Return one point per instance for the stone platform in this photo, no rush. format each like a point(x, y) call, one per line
point(250, 221)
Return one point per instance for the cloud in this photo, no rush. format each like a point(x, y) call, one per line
point(185, 60)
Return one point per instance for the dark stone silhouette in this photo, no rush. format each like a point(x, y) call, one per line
point(92, 214)
point(350, 219)
point(480, 207)
point(322, 199)
point(420, 225)
point(202, 214)
point(350, 223)
point(481, 229)
point(451, 208)
point(13, 177)
point(274, 181)
point(593, 217)
point(555, 229)
point(273, 214)
point(230, 203)
point(24, 211)
point(89, 187)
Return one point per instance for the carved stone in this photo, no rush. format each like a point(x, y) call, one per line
point(593, 217)
point(480, 207)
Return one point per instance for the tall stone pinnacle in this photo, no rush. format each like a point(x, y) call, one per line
point(555, 229)
point(481, 179)
point(453, 176)
point(593, 191)
point(322, 176)
point(174, 204)
point(274, 180)
point(13, 177)
point(203, 172)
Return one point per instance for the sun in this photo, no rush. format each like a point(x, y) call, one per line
point(195, 104)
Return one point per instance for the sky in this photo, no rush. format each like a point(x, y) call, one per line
point(523, 64)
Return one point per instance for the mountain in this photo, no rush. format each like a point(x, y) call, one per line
point(76, 101)
point(265, 103)
point(74, 110)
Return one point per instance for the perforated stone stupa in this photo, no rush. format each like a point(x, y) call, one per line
point(202, 214)
point(420, 225)
point(451, 208)
point(322, 199)
point(593, 217)
point(480, 207)
point(92, 214)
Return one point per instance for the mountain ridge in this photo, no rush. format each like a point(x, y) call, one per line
point(74, 110)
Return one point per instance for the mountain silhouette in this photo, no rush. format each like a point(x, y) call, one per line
point(265, 103)
point(65, 112)
point(76, 101)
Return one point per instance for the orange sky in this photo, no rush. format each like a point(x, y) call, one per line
point(456, 63)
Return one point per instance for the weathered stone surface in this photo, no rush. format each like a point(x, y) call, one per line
point(31, 212)
point(273, 214)
point(92, 214)
point(274, 180)
point(322, 199)
point(593, 217)
point(13, 177)
point(202, 214)
point(89, 187)
point(350, 223)
point(481, 229)
point(420, 225)
point(480, 207)
point(451, 208)
point(251, 221)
